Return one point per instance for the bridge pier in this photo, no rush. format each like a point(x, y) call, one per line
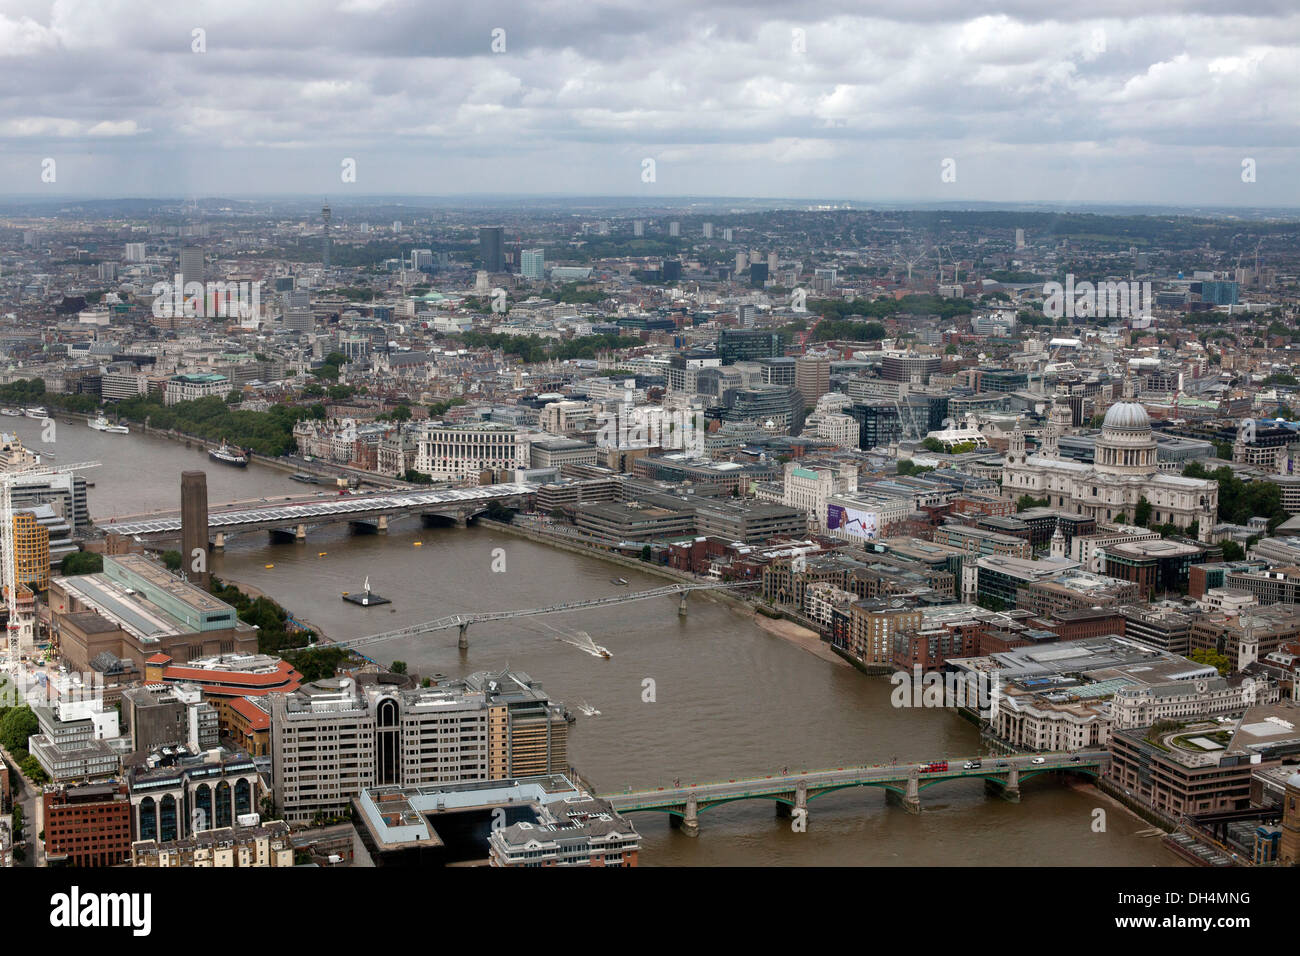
point(690, 819)
point(911, 800)
point(300, 533)
point(681, 605)
point(383, 524)
point(785, 811)
point(462, 521)
point(463, 641)
point(219, 542)
point(1008, 789)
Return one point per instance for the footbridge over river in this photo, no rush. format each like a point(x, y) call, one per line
point(902, 783)
point(463, 621)
point(292, 517)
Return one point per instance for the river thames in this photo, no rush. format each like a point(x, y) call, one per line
point(729, 698)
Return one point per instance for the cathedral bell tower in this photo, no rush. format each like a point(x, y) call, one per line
point(1016, 448)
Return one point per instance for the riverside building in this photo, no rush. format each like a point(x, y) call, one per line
point(332, 739)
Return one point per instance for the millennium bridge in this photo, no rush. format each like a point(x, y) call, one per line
point(902, 783)
point(463, 621)
point(293, 517)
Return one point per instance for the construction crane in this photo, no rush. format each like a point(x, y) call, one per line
point(8, 566)
point(909, 261)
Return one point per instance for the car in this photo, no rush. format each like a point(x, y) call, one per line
point(1039, 760)
point(1075, 759)
point(1003, 763)
point(971, 765)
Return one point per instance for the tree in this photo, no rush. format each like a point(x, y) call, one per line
point(932, 444)
point(316, 663)
point(81, 562)
point(1233, 551)
point(1029, 501)
point(171, 560)
point(399, 667)
point(16, 726)
point(646, 552)
point(32, 769)
point(1212, 658)
point(1142, 514)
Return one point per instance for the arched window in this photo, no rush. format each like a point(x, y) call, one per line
point(167, 822)
point(243, 797)
point(388, 743)
point(223, 817)
point(148, 819)
point(203, 818)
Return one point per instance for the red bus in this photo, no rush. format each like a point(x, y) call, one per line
point(937, 766)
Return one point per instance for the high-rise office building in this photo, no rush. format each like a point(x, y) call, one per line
point(325, 236)
point(491, 248)
point(31, 551)
point(191, 264)
point(674, 229)
point(194, 527)
point(812, 376)
point(745, 345)
point(1020, 239)
point(638, 228)
point(532, 264)
point(727, 234)
point(421, 259)
point(708, 230)
point(134, 252)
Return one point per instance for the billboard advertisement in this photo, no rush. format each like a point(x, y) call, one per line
point(850, 521)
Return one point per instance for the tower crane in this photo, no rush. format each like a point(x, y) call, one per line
point(8, 564)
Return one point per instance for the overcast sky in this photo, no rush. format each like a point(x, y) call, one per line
point(1031, 100)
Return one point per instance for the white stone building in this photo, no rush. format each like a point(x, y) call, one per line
point(1123, 472)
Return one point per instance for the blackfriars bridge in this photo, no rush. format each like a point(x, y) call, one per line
point(902, 783)
point(368, 510)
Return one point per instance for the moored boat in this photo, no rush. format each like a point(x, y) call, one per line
point(228, 456)
point(102, 424)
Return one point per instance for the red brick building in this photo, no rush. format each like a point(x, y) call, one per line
point(87, 825)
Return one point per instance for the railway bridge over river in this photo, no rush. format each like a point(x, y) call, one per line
point(293, 517)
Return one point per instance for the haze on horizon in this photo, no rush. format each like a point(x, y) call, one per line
point(794, 100)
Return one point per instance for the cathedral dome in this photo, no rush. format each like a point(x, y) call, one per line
point(1128, 416)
